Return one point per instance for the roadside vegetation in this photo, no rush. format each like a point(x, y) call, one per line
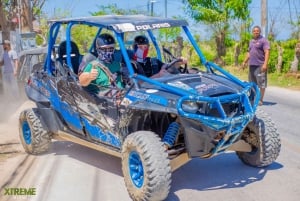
point(283, 77)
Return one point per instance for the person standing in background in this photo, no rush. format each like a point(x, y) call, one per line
point(10, 63)
point(258, 56)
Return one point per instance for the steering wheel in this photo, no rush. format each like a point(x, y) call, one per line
point(171, 68)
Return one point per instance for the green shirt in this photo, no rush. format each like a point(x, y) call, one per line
point(102, 81)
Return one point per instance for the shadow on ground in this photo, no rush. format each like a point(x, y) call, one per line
point(89, 156)
point(269, 103)
point(221, 172)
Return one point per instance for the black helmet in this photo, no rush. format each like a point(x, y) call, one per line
point(105, 40)
point(105, 46)
point(140, 40)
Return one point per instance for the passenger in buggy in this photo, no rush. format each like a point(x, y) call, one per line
point(103, 73)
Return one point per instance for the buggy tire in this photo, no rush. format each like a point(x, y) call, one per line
point(262, 135)
point(146, 167)
point(34, 137)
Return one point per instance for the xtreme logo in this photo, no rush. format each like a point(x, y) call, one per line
point(19, 191)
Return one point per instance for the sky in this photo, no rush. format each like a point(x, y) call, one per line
point(278, 10)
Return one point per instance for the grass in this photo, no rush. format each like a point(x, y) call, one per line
point(289, 81)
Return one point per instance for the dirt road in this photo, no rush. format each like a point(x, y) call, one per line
point(71, 172)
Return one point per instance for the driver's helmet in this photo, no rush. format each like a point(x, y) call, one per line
point(140, 53)
point(105, 46)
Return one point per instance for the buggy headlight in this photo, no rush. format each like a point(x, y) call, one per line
point(190, 106)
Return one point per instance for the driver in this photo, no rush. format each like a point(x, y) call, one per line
point(150, 67)
point(103, 72)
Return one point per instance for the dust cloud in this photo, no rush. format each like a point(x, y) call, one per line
point(11, 102)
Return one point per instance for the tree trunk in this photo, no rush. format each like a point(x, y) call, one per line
point(279, 59)
point(3, 23)
point(179, 47)
point(9, 15)
point(166, 56)
point(295, 63)
point(221, 49)
point(237, 52)
point(190, 53)
point(26, 21)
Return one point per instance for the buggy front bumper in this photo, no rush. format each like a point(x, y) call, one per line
point(208, 134)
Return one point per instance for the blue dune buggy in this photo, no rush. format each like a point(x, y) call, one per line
point(154, 125)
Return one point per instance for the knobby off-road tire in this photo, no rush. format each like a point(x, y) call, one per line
point(34, 137)
point(146, 167)
point(262, 135)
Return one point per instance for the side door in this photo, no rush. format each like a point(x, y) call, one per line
point(99, 115)
point(67, 104)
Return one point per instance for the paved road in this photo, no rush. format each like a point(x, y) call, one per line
point(74, 173)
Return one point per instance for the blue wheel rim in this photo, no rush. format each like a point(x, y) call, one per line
point(26, 132)
point(136, 169)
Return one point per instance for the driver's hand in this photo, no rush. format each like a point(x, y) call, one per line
point(93, 74)
point(183, 60)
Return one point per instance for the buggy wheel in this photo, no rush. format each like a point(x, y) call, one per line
point(262, 135)
point(34, 137)
point(146, 167)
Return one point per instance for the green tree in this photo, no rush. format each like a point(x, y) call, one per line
point(168, 34)
point(13, 10)
point(218, 15)
point(7, 14)
point(113, 9)
point(83, 36)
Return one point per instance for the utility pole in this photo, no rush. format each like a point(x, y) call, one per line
point(148, 7)
point(166, 9)
point(264, 18)
point(150, 4)
point(151, 8)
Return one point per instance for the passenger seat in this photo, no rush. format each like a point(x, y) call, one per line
point(75, 55)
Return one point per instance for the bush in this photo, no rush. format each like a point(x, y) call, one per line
point(273, 60)
point(288, 55)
